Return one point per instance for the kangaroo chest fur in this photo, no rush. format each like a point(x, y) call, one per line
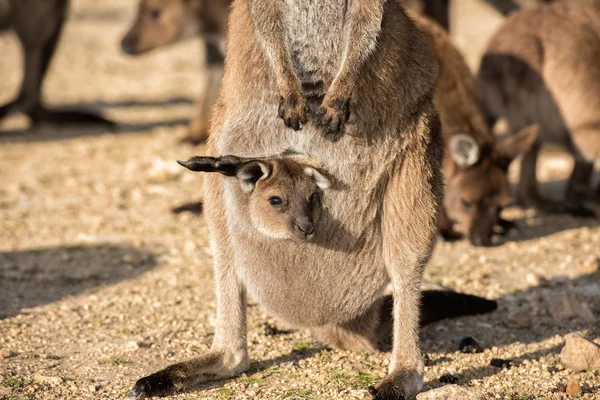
point(314, 30)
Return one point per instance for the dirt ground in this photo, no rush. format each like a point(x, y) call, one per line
point(101, 284)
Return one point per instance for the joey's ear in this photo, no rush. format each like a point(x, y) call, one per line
point(321, 180)
point(226, 165)
point(517, 144)
point(464, 150)
point(251, 172)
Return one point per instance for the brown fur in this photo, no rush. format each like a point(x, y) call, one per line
point(379, 218)
point(542, 67)
point(38, 24)
point(161, 23)
point(283, 194)
point(477, 186)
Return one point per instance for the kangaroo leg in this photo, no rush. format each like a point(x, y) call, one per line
point(438, 11)
point(38, 26)
point(228, 355)
point(200, 126)
point(578, 187)
point(409, 225)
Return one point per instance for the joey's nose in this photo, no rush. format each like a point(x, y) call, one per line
point(304, 228)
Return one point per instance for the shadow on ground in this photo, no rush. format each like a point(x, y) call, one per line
point(491, 329)
point(35, 277)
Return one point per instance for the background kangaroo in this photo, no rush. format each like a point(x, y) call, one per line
point(38, 24)
point(160, 23)
point(359, 83)
point(542, 67)
point(475, 167)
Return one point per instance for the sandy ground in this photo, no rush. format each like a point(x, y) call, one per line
point(100, 284)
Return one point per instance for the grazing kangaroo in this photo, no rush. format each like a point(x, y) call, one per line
point(475, 167)
point(358, 78)
point(38, 24)
point(542, 67)
point(163, 22)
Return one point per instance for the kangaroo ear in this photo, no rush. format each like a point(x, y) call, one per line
point(321, 180)
point(226, 165)
point(251, 172)
point(464, 150)
point(515, 145)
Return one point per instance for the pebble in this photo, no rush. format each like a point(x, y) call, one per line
point(500, 363)
point(567, 307)
point(451, 392)
point(520, 317)
point(580, 354)
point(50, 380)
point(449, 378)
point(470, 345)
point(6, 353)
point(573, 387)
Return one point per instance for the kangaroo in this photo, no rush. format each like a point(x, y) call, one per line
point(355, 82)
point(542, 67)
point(284, 195)
point(475, 166)
point(160, 23)
point(38, 24)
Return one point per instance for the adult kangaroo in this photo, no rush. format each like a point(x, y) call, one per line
point(542, 66)
point(354, 81)
point(160, 23)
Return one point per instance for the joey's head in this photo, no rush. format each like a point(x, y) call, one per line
point(477, 188)
point(162, 22)
point(283, 196)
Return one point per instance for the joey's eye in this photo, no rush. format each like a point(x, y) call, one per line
point(155, 14)
point(465, 204)
point(275, 201)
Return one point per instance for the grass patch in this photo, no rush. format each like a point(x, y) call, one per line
point(299, 394)
point(117, 361)
point(344, 380)
point(301, 347)
point(14, 382)
point(224, 394)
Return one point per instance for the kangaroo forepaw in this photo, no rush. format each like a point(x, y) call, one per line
point(398, 386)
point(333, 115)
point(158, 384)
point(293, 109)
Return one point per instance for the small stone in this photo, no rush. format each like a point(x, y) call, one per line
point(451, 392)
point(520, 317)
point(50, 380)
point(567, 307)
point(500, 363)
point(132, 345)
point(470, 345)
point(573, 387)
point(533, 279)
point(272, 330)
point(580, 354)
point(449, 378)
point(6, 353)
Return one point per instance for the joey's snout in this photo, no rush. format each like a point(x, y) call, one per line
point(304, 228)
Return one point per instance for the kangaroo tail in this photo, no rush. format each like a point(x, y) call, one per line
point(437, 305)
